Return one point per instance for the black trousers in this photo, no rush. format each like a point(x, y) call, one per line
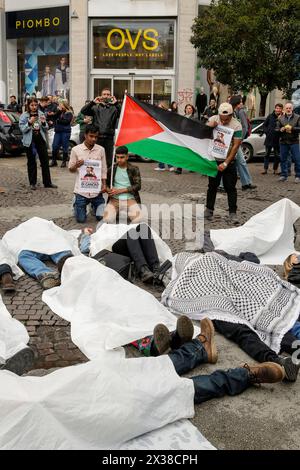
point(139, 245)
point(276, 157)
point(229, 180)
point(250, 342)
point(41, 148)
point(5, 269)
point(108, 144)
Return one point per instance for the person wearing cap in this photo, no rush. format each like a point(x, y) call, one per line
point(227, 166)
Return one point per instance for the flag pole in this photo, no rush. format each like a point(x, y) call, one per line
point(116, 139)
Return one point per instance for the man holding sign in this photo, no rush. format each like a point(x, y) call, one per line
point(224, 153)
point(88, 161)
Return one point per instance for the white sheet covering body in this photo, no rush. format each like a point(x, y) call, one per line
point(97, 405)
point(269, 234)
point(13, 335)
point(105, 237)
point(105, 311)
point(41, 236)
point(6, 257)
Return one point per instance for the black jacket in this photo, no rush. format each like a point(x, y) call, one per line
point(134, 178)
point(285, 137)
point(105, 117)
point(294, 275)
point(15, 108)
point(272, 137)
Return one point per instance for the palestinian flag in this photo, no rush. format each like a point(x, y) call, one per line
point(165, 137)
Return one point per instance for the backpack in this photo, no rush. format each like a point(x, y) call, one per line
point(123, 265)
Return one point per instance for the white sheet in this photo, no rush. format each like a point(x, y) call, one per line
point(108, 234)
point(6, 257)
point(269, 234)
point(105, 311)
point(41, 236)
point(13, 335)
point(97, 405)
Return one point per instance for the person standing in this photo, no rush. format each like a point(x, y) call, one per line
point(241, 164)
point(105, 112)
point(227, 166)
point(288, 124)
point(89, 150)
point(210, 111)
point(33, 126)
point(272, 139)
point(62, 128)
point(13, 105)
point(201, 102)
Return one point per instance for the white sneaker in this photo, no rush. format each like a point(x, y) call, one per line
point(172, 168)
point(297, 180)
point(159, 169)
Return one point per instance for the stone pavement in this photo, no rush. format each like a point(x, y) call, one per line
point(265, 418)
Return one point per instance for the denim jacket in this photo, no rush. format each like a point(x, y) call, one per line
point(27, 131)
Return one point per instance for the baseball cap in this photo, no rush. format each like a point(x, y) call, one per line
point(225, 109)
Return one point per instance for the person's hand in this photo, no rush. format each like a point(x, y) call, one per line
point(43, 119)
point(282, 129)
point(114, 192)
point(104, 189)
point(87, 119)
point(32, 119)
point(87, 231)
point(98, 100)
point(114, 100)
point(50, 113)
point(79, 163)
point(222, 167)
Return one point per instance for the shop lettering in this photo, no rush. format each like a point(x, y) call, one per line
point(37, 23)
point(148, 35)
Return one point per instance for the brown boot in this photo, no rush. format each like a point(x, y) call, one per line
point(267, 372)
point(8, 284)
point(161, 340)
point(207, 339)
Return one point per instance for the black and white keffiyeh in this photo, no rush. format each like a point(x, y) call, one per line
point(211, 286)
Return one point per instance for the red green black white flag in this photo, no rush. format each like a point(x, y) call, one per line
point(166, 137)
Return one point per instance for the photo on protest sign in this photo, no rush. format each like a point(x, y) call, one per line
point(221, 142)
point(90, 177)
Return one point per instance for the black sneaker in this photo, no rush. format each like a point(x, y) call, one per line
point(20, 362)
point(291, 369)
point(62, 261)
point(208, 214)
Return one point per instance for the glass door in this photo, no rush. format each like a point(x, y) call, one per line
point(121, 85)
point(143, 89)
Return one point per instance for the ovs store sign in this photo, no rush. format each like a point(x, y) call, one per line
point(32, 23)
point(118, 38)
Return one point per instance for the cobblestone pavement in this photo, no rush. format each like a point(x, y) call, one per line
point(232, 424)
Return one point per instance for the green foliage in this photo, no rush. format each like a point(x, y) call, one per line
point(250, 42)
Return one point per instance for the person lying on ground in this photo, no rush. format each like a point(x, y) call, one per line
point(248, 303)
point(187, 353)
point(137, 244)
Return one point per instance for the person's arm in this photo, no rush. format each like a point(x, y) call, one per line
point(85, 240)
point(266, 125)
point(74, 162)
point(136, 184)
point(24, 124)
point(80, 119)
point(65, 120)
point(244, 123)
point(103, 172)
point(87, 110)
point(231, 155)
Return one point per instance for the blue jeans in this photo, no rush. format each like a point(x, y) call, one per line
point(296, 330)
point(33, 263)
point(215, 385)
point(285, 149)
point(61, 139)
point(242, 168)
point(81, 203)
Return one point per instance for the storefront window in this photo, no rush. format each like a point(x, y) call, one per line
point(133, 44)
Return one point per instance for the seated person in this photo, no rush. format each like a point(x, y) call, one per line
point(34, 264)
point(137, 244)
point(124, 199)
point(291, 268)
point(187, 353)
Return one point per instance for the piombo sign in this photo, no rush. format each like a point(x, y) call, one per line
point(42, 22)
